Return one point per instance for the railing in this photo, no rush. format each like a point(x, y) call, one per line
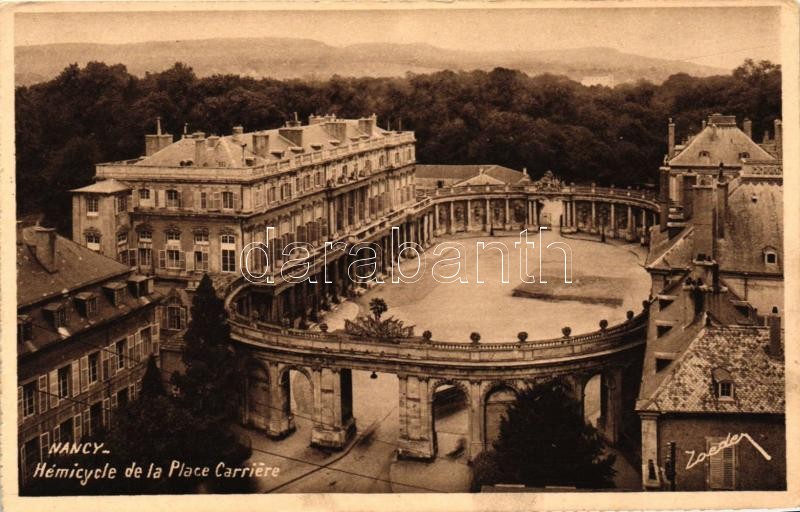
point(626, 193)
point(619, 337)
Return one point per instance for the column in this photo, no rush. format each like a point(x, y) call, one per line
point(644, 223)
point(535, 214)
point(507, 224)
point(436, 218)
point(281, 419)
point(468, 218)
point(594, 216)
point(476, 425)
point(630, 222)
point(333, 408)
point(332, 217)
point(612, 380)
point(573, 216)
point(530, 213)
point(416, 418)
point(452, 218)
point(613, 220)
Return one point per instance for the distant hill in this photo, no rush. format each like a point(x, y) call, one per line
point(305, 58)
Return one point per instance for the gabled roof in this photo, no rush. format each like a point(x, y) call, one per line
point(110, 186)
point(73, 266)
point(723, 142)
point(688, 385)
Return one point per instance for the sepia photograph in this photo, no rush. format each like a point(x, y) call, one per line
point(352, 248)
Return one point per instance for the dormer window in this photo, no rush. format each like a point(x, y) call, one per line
point(140, 286)
point(770, 256)
point(24, 329)
point(57, 314)
point(86, 303)
point(723, 384)
point(705, 156)
point(116, 292)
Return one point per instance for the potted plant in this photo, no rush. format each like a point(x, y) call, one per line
point(603, 324)
point(566, 331)
point(629, 314)
point(522, 336)
point(475, 337)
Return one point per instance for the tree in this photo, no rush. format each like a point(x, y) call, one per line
point(544, 441)
point(378, 307)
point(212, 382)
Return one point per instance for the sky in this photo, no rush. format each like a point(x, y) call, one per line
point(715, 36)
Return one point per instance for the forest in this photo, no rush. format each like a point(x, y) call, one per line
point(101, 113)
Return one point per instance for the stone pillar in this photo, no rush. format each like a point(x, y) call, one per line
point(651, 477)
point(281, 419)
point(573, 215)
point(416, 419)
point(468, 218)
point(507, 223)
point(535, 214)
point(644, 223)
point(452, 217)
point(613, 220)
point(489, 214)
point(334, 424)
point(630, 222)
point(475, 422)
point(436, 218)
point(332, 217)
point(594, 216)
point(612, 384)
point(257, 399)
point(530, 213)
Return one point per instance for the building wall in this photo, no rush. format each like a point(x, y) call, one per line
point(107, 221)
point(762, 293)
point(754, 472)
point(42, 366)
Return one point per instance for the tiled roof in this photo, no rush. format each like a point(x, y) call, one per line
point(688, 385)
point(723, 143)
point(754, 222)
point(72, 267)
point(110, 186)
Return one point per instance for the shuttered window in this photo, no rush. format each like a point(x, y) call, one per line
point(721, 466)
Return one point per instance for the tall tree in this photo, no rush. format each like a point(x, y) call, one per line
point(544, 441)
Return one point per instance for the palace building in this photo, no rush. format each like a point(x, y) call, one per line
point(716, 263)
point(86, 325)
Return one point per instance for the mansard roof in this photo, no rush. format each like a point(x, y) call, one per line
point(688, 386)
point(722, 141)
point(233, 150)
point(110, 186)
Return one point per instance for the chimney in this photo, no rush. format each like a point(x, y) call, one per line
point(703, 124)
point(367, 124)
point(237, 133)
point(199, 150)
point(747, 127)
point(722, 205)
point(703, 214)
point(670, 137)
point(212, 141)
point(261, 144)
point(294, 123)
point(778, 137)
point(775, 347)
point(45, 244)
point(155, 143)
point(294, 133)
point(337, 129)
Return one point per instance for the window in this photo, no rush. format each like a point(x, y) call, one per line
point(770, 256)
point(744, 154)
point(145, 235)
point(201, 259)
point(94, 367)
point(176, 317)
point(122, 204)
point(144, 194)
point(95, 416)
point(721, 466)
point(66, 431)
point(29, 399)
point(704, 154)
point(122, 238)
point(31, 453)
point(318, 179)
point(725, 390)
point(201, 237)
point(227, 200)
point(174, 258)
point(86, 303)
point(203, 201)
point(57, 313)
point(173, 199)
point(119, 348)
point(92, 205)
point(64, 379)
point(93, 241)
point(24, 328)
point(173, 236)
point(228, 253)
point(145, 256)
point(122, 397)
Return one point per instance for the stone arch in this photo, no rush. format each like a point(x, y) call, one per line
point(284, 382)
point(592, 399)
point(495, 400)
point(450, 443)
